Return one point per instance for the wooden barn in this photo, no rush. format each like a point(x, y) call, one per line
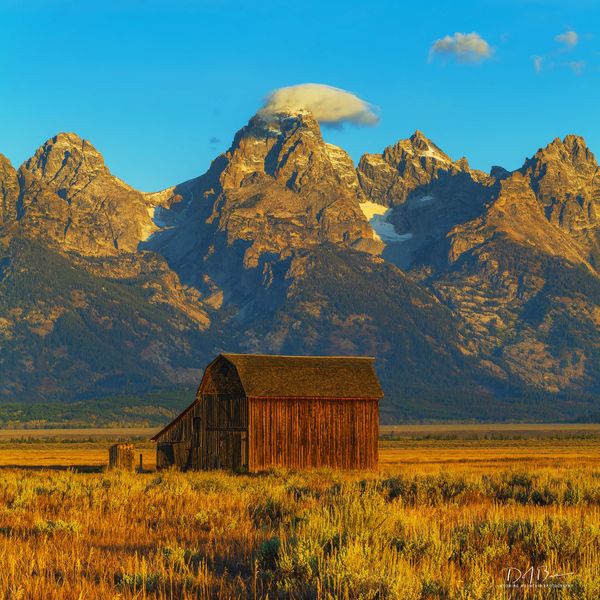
point(258, 411)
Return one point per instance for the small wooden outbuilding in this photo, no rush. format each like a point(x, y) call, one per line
point(121, 456)
point(259, 411)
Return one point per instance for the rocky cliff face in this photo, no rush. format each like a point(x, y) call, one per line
point(273, 249)
point(9, 191)
point(69, 196)
point(565, 178)
point(428, 193)
point(279, 189)
point(550, 204)
point(282, 187)
point(406, 168)
point(515, 273)
point(517, 214)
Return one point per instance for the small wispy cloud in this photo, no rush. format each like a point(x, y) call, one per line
point(555, 58)
point(329, 105)
point(569, 38)
point(463, 47)
point(577, 66)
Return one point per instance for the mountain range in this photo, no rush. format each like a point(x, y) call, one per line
point(478, 293)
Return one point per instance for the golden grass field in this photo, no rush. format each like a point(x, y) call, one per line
point(450, 510)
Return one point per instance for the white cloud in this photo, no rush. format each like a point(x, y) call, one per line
point(329, 105)
point(568, 38)
point(537, 63)
point(464, 47)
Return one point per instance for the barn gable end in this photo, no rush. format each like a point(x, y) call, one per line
point(221, 377)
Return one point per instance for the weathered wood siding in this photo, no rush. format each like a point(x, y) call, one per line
point(222, 442)
point(121, 456)
point(224, 434)
point(313, 432)
point(213, 432)
point(174, 445)
point(221, 377)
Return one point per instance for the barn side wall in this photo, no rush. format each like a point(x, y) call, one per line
point(308, 432)
point(174, 446)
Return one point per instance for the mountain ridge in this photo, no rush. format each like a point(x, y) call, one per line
point(229, 260)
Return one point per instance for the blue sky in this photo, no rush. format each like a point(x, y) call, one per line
point(160, 87)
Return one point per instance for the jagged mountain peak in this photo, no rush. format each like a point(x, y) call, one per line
point(287, 146)
point(67, 137)
point(69, 196)
point(417, 146)
point(286, 117)
point(419, 135)
point(66, 155)
point(409, 164)
point(566, 165)
point(418, 140)
point(571, 149)
point(68, 140)
point(268, 125)
point(421, 142)
point(278, 188)
point(572, 140)
point(279, 125)
point(564, 177)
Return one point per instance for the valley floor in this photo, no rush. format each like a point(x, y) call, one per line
point(450, 510)
point(458, 447)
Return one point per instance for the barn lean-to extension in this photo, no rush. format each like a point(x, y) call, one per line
point(259, 411)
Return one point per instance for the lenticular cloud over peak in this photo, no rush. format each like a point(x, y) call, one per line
point(329, 105)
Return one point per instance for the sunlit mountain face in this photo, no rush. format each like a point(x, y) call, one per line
point(477, 293)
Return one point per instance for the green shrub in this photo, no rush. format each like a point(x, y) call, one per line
point(59, 526)
point(268, 553)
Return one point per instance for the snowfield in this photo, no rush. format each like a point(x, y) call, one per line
point(383, 231)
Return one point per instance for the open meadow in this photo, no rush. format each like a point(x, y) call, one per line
point(450, 511)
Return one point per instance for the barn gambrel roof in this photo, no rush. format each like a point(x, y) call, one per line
point(272, 376)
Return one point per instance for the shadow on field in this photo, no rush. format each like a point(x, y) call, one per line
point(75, 468)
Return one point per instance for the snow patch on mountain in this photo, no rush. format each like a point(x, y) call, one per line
point(432, 153)
point(158, 216)
point(383, 230)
